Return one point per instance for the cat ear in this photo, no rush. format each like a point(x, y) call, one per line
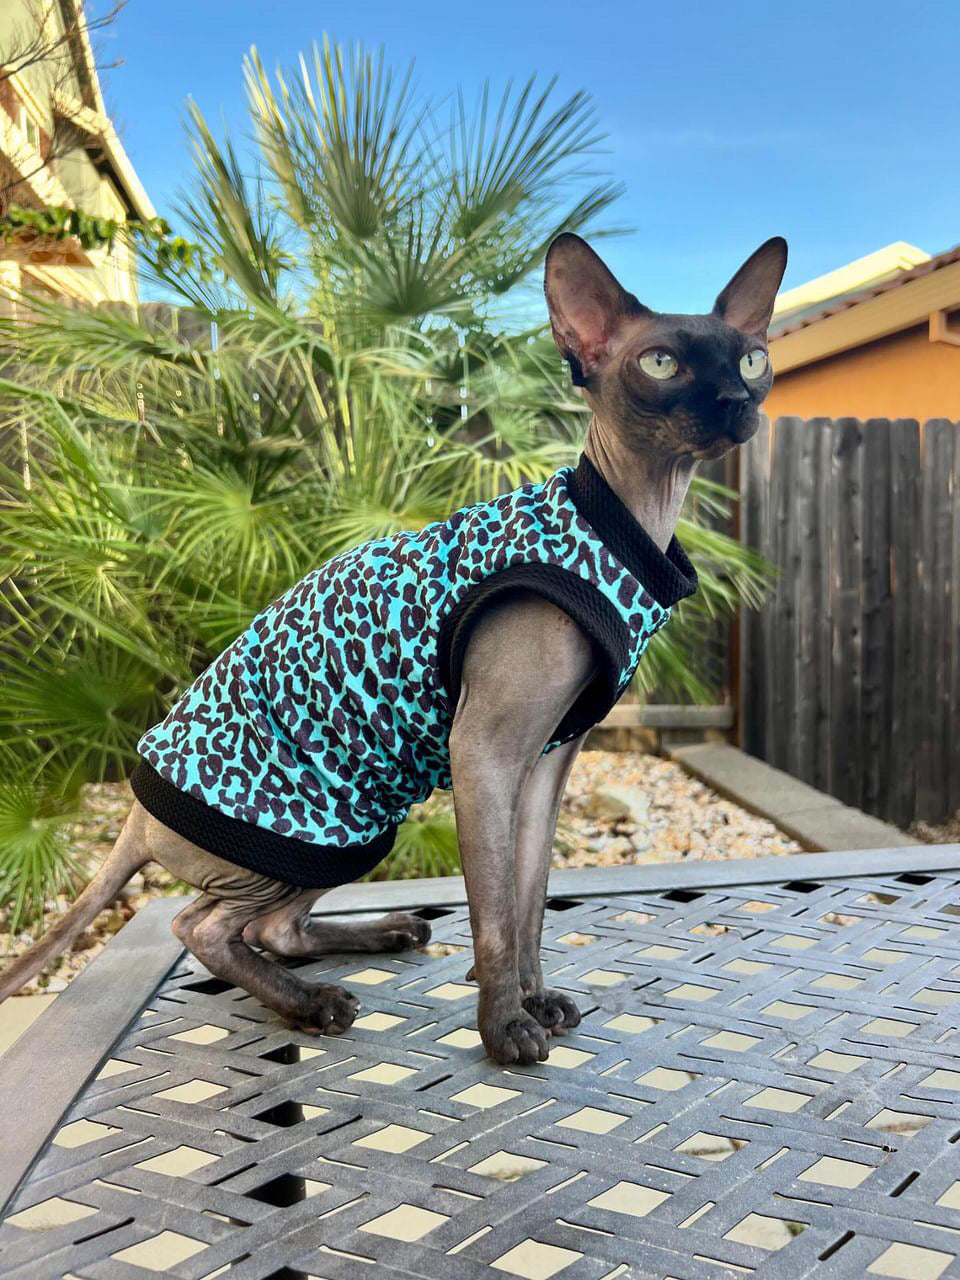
point(747, 301)
point(586, 303)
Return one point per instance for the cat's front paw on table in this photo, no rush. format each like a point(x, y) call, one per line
point(553, 1010)
point(513, 1038)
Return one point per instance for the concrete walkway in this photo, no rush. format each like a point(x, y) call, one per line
point(17, 1013)
point(815, 820)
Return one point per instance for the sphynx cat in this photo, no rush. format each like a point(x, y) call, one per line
point(666, 391)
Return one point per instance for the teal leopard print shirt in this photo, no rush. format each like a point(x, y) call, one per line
point(302, 747)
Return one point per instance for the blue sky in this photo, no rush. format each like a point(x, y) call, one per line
point(836, 125)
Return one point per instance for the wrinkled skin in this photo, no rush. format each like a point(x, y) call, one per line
point(525, 665)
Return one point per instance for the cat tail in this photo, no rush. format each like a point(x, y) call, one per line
point(125, 859)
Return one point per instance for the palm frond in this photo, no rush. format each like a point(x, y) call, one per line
point(233, 224)
point(35, 857)
point(339, 139)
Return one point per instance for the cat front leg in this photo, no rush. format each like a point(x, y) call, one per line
point(536, 828)
point(526, 662)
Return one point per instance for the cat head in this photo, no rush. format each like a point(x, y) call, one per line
point(676, 384)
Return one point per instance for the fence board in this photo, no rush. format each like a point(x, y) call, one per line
point(846, 561)
point(785, 532)
point(812, 595)
point(905, 551)
point(877, 610)
point(821, 682)
point(946, 634)
point(755, 483)
point(953, 793)
point(936, 617)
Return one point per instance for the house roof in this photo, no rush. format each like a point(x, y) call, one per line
point(93, 119)
point(923, 295)
point(803, 317)
point(871, 268)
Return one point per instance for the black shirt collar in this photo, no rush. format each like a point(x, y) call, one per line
point(667, 576)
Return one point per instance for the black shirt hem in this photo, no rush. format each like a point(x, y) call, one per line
point(287, 858)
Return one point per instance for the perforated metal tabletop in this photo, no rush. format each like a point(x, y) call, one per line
point(766, 1082)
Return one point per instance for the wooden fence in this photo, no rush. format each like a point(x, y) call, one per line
point(850, 674)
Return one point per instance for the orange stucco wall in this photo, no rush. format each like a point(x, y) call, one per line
point(903, 376)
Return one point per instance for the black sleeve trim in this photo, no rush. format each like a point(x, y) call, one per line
point(581, 600)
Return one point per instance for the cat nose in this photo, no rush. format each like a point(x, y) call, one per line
point(733, 394)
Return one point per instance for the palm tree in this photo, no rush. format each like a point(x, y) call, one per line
point(349, 352)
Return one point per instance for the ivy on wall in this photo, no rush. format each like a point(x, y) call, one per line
point(57, 222)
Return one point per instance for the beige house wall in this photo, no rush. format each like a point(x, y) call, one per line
point(29, 102)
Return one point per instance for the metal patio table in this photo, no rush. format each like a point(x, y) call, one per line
point(765, 1082)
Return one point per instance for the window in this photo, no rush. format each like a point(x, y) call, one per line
point(29, 129)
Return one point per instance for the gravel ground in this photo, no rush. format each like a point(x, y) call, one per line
point(947, 832)
point(684, 820)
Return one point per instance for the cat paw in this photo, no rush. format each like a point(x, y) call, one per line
point(514, 1038)
point(553, 1010)
point(401, 931)
point(326, 1010)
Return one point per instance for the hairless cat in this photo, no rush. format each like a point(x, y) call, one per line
point(476, 653)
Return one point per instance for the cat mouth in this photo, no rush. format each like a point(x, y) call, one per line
point(729, 436)
point(743, 432)
point(740, 429)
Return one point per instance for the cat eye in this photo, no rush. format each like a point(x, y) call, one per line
point(658, 364)
point(754, 363)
